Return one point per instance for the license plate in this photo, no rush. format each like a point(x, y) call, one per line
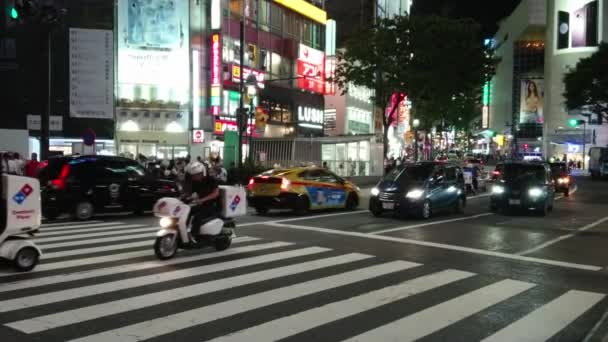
point(388, 206)
point(514, 201)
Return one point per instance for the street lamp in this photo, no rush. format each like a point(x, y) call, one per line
point(416, 123)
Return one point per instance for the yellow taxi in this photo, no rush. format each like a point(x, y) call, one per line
point(301, 189)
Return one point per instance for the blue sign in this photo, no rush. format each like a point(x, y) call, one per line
point(320, 196)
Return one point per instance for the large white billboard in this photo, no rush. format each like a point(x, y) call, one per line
point(578, 25)
point(153, 56)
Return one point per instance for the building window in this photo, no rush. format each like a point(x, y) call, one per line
point(264, 14)
point(276, 18)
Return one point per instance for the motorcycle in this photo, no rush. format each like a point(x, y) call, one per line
point(20, 218)
point(176, 232)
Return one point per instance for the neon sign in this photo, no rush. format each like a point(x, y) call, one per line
point(216, 72)
point(311, 69)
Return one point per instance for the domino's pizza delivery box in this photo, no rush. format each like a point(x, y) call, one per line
point(233, 201)
point(21, 195)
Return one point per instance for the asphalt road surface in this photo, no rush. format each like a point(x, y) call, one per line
point(329, 276)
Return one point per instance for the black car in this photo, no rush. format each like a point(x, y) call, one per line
point(420, 189)
point(83, 185)
point(561, 177)
point(523, 185)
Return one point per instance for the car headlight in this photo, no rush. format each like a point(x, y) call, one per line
point(414, 194)
point(375, 192)
point(564, 180)
point(497, 189)
point(535, 192)
point(166, 222)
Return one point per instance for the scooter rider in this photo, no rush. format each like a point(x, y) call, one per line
point(204, 196)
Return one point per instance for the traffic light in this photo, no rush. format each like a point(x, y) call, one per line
point(14, 13)
point(575, 122)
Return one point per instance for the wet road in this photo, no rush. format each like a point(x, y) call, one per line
point(328, 276)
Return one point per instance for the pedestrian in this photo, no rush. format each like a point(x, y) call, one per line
point(579, 164)
point(32, 165)
point(5, 168)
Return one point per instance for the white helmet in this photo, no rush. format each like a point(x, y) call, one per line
point(196, 168)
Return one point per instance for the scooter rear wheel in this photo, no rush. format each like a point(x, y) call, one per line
point(26, 259)
point(165, 247)
point(222, 243)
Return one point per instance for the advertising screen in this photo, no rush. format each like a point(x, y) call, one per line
point(577, 24)
point(531, 101)
point(153, 56)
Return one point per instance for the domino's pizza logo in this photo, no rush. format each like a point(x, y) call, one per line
point(22, 194)
point(235, 202)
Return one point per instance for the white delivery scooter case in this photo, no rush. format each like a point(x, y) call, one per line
point(233, 201)
point(21, 196)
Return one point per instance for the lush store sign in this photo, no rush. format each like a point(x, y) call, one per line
point(216, 74)
point(310, 117)
point(311, 69)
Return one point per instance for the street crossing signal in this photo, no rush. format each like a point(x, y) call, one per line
point(575, 122)
point(14, 13)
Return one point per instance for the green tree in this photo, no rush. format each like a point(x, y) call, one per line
point(431, 59)
point(587, 83)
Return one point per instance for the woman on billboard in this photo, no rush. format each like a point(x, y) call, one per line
point(532, 111)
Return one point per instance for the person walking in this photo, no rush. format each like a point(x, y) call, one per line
point(32, 165)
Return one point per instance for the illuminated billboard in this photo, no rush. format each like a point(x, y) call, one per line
point(577, 25)
point(531, 101)
point(311, 69)
point(153, 57)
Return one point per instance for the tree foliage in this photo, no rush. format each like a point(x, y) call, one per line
point(587, 83)
point(433, 60)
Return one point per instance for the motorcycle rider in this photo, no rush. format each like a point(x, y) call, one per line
point(204, 196)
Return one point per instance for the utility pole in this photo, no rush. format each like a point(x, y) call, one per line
point(46, 116)
point(239, 118)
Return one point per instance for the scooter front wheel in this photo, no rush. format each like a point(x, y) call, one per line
point(26, 259)
point(165, 247)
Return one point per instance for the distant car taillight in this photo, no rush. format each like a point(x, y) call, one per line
point(59, 182)
point(251, 183)
point(285, 184)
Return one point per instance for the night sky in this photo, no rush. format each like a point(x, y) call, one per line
point(486, 12)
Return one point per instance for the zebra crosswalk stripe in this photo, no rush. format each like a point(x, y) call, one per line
point(73, 224)
point(90, 250)
point(111, 308)
point(125, 229)
point(62, 278)
point(437, 317)
point(549, 319)
point(85, 231)
point(186, 319)
point(306, 320)
point(149, 234)
point(63, 295)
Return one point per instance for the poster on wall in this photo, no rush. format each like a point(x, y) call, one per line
point(91, 73)
point(577, 24)
point(531, 101)
point(153, 53)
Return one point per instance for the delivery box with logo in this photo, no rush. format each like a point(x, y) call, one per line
point(233, 201)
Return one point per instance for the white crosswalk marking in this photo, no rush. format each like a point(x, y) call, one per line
point(549, 319)
point(69, 237)
point(62, 278)
point(442, 315)
point(96, 311)
point(71, 223)
point(161, 326)
point(291, 325)
point(85, 231)
point(62, 295)
point(67, 228)
point(58, 296)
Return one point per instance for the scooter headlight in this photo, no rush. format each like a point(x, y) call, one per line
point(166, 222)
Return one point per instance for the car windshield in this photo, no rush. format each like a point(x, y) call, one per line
point(408, 174)
point(518, 172)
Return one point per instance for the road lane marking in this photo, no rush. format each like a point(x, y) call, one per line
point(84, 231)
point(168, 324)
point(55, 320)
point(149, 234)
point(480, 196)
point(435, 318)
point(302, 218)
point(54, 279)
point(69, 237)
point(384, 231)
point(546, 321)
point(291, 325)
point(563, 237)
point(90, 250)
point(44, 229)
point(129, 283)
point(571, 192)
point(67, 224)
point(443, 246)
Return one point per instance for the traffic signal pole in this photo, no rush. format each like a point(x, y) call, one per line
point(239, 117)
point(46, 116)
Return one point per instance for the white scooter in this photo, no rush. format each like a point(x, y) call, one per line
point(175, 232)
point(20, 219)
